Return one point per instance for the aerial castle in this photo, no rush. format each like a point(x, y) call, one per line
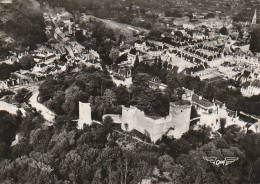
point(212, 114)
point(178, 121)
point(175, 124)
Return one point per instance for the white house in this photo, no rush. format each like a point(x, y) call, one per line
point(251, 89)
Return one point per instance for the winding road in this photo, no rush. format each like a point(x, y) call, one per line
point(42, 109)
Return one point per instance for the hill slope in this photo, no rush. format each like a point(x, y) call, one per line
point(23, 22)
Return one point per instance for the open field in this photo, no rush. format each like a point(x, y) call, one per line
point(181, 63)
point(125, 29)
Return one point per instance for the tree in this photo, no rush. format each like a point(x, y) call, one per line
point(27, 62)
point(56, 102)
point(122, 95)
point(121, 39)
point(47, 89)
point(8, 128)
point(133, 51)
point(27, 170)
point(6, 70)
point(63, 58)
point(107, 104)
point(114, 54)
point(108, 124)
point(240, 17)
point(255, 40)
point(178, 33)
point(109, 97)
point(209, 15)
point(250, 144)
point(121, 58)
point(136, 64)
point(72, 97)
point(159, 65)
point(106, 59)
point(175, 13)
point(5, 92)
point(21, 95)
point(79, 36)
point(172, 80)
point(157, 30)
point(241, 34)
point(165, 65)
point(223, 31)
point(197, 170)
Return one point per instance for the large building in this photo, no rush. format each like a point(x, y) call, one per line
point(176, 123)
point(251, 89)
point(215, 114)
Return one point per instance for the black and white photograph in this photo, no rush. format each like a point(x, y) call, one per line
point(129, 91)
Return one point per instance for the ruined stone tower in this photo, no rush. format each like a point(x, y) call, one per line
point(180, 112)
point(130, 118)
point(178, 121)
point(84, 114)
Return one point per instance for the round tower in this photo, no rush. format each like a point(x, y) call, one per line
point(128, 118)
point(180, 112)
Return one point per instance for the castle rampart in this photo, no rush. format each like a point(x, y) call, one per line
point(178, 119)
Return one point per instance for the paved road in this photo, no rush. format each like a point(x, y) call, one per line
point(45, 112)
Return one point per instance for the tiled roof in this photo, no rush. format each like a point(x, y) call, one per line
point(51, 56)
point(256, 83)
point(247, 118)
point(246, 73)
point(246, 84)
point(182, 102)
point(202, 102)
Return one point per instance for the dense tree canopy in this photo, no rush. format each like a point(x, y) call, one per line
point(98, 154)
point(6, 70)
point(223, 31)
point(8, 128)
point(91, 85)
point(27, 62)
point(26, 25)
point(21, 95)
point(255, 40)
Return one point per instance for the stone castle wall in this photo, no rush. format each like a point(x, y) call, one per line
point(178, 119)
point(132, 118)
